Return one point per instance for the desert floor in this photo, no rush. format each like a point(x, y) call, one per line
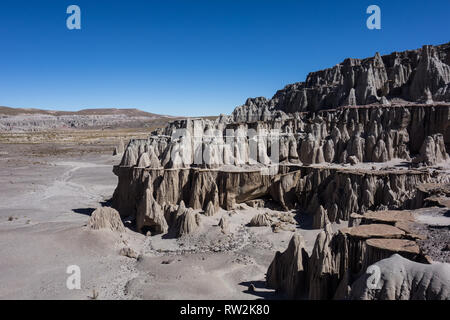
point(48, 191)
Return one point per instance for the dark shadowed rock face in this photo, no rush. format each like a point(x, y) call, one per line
point(287, 272)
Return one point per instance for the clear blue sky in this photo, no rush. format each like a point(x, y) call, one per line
point(191, 57)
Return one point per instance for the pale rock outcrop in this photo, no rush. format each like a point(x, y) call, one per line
point(352, 160)
point(128, 252)
point(430, 75)
point(119, 149)
point(144, 161)
point(154, 160)
point(391, 217)
point(402, 279)
point(341, 192)
point(187, 223)
point(432, 151)
point(224, 224)
point(411, 75)
point(309, 150)
point(106, 218)
point(203, 161)
point(129, 158)
point(210, 210)
point(371, 134)
point(261, 220)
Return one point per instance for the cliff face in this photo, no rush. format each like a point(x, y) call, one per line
point(231, 167)
point(352, 142)
point(349, 135)
point(339, 192)
point(421, 75)
point(317, 161)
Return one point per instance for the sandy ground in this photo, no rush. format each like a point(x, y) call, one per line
point(45, 201)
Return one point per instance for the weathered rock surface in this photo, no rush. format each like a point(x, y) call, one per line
point(339, 191)
point(210, 210)
point(224, 224)
point(128, 252)
point(187, 223)
point(261, 220)
point(391, 217)
point(416, 75)
point(432, 151)
point(35, 120)
point(288, 270)
point(337, 259)
point(150, 214)
point(309, 147)
point(346, 135)
point(402, 279)
point(106, 218)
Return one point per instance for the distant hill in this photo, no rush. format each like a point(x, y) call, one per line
point(103, 111)
point(31, 120)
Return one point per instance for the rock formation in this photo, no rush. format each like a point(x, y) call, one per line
point(364, 141)
point(210, 210)
point(128, 252)
point(320, 218)
point(119, 149)
point(309, 147)
point(432, 151)
point(402, 279)
point(288, 271)
point(224, 224)
point(150, 214)
point(188, 222)
point(421, 75)
point(337, 258)
point(261, 220)
point(106, 218)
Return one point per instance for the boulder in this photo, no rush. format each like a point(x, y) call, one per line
point(106, 218)
point(261, 220)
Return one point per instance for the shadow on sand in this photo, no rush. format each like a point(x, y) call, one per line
point(260, 290)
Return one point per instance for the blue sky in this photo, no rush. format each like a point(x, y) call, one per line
point(192, 57)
